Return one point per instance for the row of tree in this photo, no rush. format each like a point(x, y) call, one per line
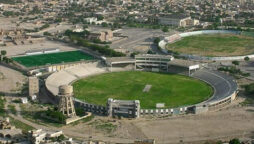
point(104, 50)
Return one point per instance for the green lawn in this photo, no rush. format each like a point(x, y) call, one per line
point(2, 102)
point(20, 125)
point(214, 45)
point(171, 89)
point(53, 58)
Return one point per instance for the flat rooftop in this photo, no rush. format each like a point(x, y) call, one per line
point(118, 60)
point(153, 56)
point(182, 63)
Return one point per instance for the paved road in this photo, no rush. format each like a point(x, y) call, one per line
point(223, 84)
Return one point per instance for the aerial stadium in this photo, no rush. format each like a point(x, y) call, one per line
point(144, 85)
point(148, 84)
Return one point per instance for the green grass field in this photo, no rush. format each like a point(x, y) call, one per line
point(171, 89)
point(53, 58)
point(214, 45)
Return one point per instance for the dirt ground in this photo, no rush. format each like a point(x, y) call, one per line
point(233, 121)
point(11, 81)
point(21, 49)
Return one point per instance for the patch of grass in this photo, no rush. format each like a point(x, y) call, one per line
point(2, 102)
point(107, 127)
point(20, 125)
point(214, 45)
point(12, 108)
point(34, 113)
point(2, 76)
point(103, 126)
point(172, 89)
point(247, 101)
point(53, 58)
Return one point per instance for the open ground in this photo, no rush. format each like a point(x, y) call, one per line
point(21, 49)
point(214, 45)
point(171, 89)
point(139, 39)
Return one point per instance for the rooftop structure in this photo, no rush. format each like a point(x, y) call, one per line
point(39, 136)
point(125, 108)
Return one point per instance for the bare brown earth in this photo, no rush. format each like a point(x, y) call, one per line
point(232, 122)
point(11, 81)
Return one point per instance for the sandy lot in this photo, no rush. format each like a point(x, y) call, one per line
point(12, 80)
point(21, 49)
point(233, 122)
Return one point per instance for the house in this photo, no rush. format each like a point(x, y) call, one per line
point(24, 100)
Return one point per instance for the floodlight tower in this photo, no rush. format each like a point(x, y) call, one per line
point(66, 105)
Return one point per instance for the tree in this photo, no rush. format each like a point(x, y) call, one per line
point(3, 53)
point(100, 17)
point(165, 29)
point(235, 62)
point(246, 58)
point(249, 89)
point(104, 24)
point(156, 40)
point(234, 141)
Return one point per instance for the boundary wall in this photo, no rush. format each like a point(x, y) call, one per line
point(162, 44)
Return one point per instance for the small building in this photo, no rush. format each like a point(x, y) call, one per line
point(39, 136)
point(24, 100)
point(33, 97)
point(8, 133)
point(152, 62)
point(123, 108)
point(177, 20)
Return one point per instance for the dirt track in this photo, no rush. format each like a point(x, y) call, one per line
point(232, 122)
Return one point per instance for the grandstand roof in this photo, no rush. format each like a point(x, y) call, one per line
point(118, 60)
point(183, 63)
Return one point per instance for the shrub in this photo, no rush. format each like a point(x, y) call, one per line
point(156, 40)
point(246, 58)
point(234, 141)
point(249, 89)
point(165, 29)
point(235, 62)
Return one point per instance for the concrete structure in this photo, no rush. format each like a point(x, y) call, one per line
point(165, 63)
point(33, 86)
point(124, 108)
point(152, 62)
point(102, 35)
point(8, 133)
point(17, 36)
point(41, 136)
point(177, 20)
point(24, 100)
point(146, 141)
point(66, 105)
